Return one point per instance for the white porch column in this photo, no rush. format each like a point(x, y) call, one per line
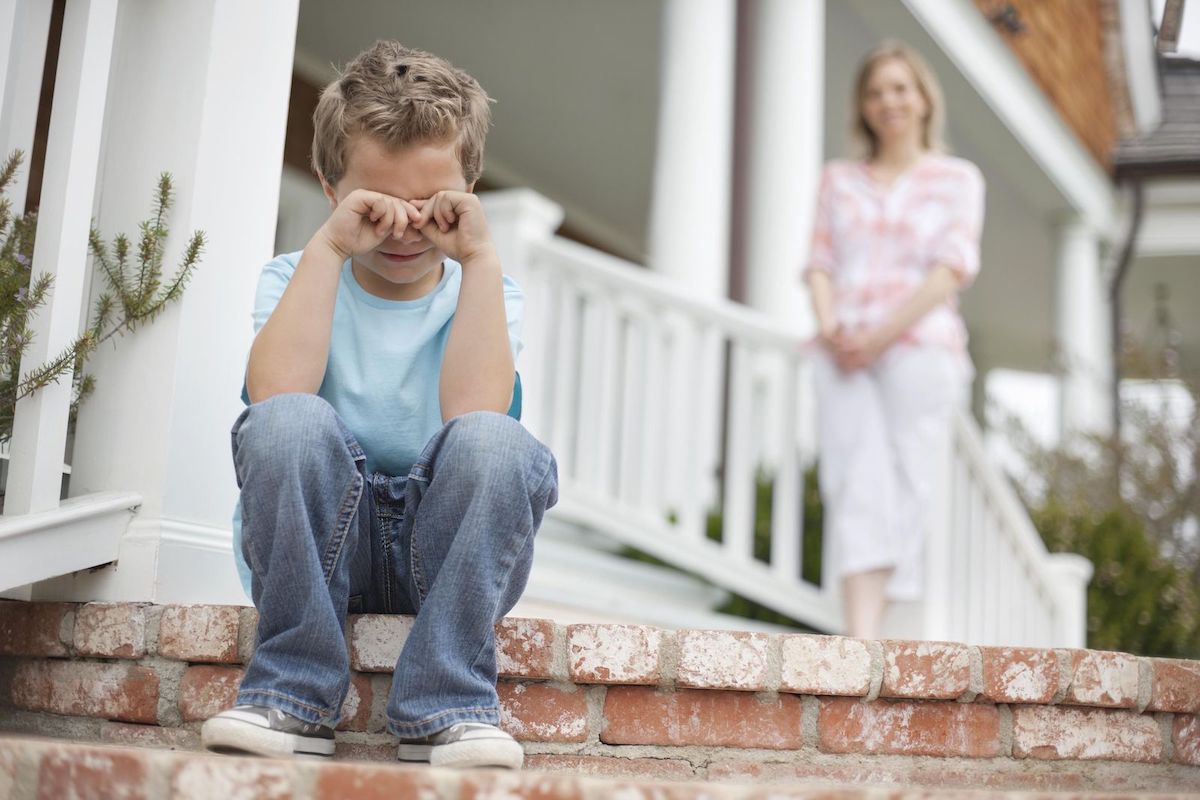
point(784, 154)
point(1082, 332)
point(24, 29)
point(199, 89)
point(689, 216)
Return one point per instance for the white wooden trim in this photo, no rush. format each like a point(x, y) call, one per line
point(81, 533)
point(1141, 64)
point(1170, 232)
point(1000, 79)
point(158, 561)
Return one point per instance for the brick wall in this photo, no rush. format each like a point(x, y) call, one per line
point(1063, 48)
point(627, 700)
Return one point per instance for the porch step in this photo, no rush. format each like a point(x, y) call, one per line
point(637, 703)
point(42, 768)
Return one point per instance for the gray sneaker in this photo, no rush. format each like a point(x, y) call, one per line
point(467, 744)
point(263, 731)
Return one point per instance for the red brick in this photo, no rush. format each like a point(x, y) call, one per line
point(200, 633)
point(642, 715)
point(207, 777)
point(907, 772)
point(722, 660)
point(376, 641)
point(1175, 686)
point(846, 725)
point(613, 653)
point(1186, 736)
point(92, 773)
point(925, 670)
point(110, 630)
point(1107, 680)
point(824, 665)
point(128, 734)
point(362, 782)
point(1019, 675)
point(535, 712)
point(207, 691)
point(512, 785)
point(1060, 732)
point(110, 691)
point(665, 769)
point(356, 709)
point(645, 790)
point(525, 648)
point(32, 629)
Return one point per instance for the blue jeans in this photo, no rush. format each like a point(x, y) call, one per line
point(452, 543)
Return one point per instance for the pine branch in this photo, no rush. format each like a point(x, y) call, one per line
point(9, 170)
point(54, 370)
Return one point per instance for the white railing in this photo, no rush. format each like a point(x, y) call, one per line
point(39, 538)
point(669, 414)
point(627, 384)
point(996, 581)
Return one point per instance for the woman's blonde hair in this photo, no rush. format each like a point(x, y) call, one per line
point(927, 85)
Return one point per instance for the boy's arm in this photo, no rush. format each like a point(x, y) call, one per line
point(291, 351)
point(477, 368)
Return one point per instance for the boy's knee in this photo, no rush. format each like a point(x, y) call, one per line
point(488, 442)
point(279, 425)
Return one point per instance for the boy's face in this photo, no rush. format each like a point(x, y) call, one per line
point(409, 266)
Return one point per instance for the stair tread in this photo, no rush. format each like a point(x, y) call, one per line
point(62, 765)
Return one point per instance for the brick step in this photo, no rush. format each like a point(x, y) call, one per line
point(32, 768)
point(635, 701)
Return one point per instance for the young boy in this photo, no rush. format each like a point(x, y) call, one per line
point(378, 470)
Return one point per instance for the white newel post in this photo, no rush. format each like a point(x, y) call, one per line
point(1071, 575)
point(1082, 332)
point(199, 89)
point(24, 28)
point(518, 220)
point(690, 205)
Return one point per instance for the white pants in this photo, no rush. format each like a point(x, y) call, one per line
point(882, 432)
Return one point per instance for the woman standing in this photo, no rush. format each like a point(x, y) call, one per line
point(896, 238)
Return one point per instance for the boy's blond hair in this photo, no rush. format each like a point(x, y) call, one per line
point(399, 96)
point(927, 85)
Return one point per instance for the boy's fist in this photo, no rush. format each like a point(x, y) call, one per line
point(454, 222)
point(364, 219)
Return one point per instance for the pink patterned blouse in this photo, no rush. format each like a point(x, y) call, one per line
point(878, 243)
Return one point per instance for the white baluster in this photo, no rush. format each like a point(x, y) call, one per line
point(787, 501)
point(739, 479)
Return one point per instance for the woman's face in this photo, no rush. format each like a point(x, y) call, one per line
point(892, 105)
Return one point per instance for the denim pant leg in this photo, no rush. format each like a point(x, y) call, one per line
point(474, 500)
point(305, 520)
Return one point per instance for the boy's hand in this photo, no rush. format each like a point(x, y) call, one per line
point(454, 222)
point(364, 219)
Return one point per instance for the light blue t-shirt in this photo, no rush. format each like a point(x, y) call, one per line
point(385, 362)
